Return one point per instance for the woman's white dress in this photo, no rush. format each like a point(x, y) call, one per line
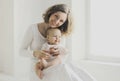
point(66, 71)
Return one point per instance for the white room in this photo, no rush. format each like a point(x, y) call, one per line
point(94, 43)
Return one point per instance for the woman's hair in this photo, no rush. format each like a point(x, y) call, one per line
point(66, 27)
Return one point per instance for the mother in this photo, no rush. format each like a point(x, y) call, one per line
point(56, 16)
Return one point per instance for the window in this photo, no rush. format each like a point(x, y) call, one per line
point(103, 30)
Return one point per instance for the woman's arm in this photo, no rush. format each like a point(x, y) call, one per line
point(26, 43)
point(27, 40)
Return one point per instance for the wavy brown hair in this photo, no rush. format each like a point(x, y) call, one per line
point(67, 26)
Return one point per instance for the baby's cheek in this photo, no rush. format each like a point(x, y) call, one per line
point(54, 38)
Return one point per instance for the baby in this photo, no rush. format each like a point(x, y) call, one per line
point(53, 48)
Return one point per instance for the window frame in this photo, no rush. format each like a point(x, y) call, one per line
point(90, 56)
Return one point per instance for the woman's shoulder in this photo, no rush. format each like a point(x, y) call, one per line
point(31, 26)
point(34, 26)
point(41, 25)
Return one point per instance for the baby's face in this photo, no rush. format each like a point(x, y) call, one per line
point(54, 37)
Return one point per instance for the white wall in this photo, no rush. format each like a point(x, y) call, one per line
point(27, 12)
point(78, 37)
point(6, 36)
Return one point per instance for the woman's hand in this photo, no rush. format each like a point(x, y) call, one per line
point(41, 54)
point(54, 51)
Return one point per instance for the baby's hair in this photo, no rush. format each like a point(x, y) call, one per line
point(50, 30)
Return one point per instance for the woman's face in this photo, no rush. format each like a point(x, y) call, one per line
point(57, 19)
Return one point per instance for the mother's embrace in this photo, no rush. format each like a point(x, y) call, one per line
point(56, 16)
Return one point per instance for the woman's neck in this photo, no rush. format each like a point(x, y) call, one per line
point(46, 26)
point(42, 28)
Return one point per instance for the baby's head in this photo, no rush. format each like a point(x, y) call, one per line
point(53, 36)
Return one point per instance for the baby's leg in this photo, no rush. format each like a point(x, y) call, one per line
point(39, 67)
point(45, 63)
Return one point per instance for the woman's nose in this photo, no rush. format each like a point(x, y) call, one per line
point(57, 22)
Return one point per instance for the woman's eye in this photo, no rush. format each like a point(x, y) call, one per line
point(61, 20)
point(56, 16)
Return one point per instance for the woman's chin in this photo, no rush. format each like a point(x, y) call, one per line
point(53, 26)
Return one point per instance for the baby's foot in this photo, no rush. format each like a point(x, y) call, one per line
point(40, 74)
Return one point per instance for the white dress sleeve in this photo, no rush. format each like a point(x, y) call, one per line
point(27, 40)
